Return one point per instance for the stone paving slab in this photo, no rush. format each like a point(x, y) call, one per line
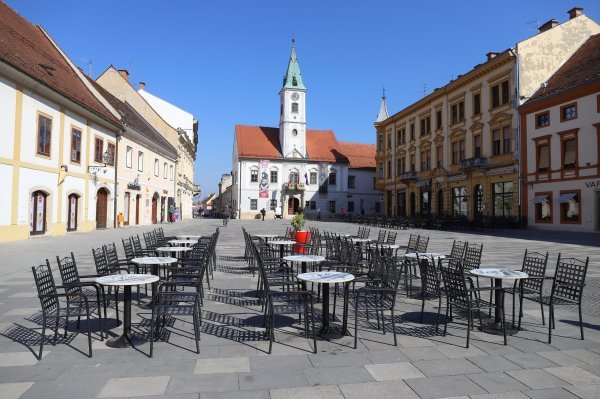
point(233, 360)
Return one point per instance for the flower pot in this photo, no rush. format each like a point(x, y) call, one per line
point(301, 237)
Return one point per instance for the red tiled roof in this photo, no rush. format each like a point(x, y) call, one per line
point(361, 156)
point(583, 67)
point(26, 48)
point(261, 142)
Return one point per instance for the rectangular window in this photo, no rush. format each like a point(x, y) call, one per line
point(380, 142)
point(425, 126)
point(400, 166)
point(351, 181)
point(542, 120)
point(440, 155)
point(459, 202)
point(569, 153)
point(273, 204)
point(129, 157)
point(568, 112)
point(389, 140)
point(75, 145)
point(543, 157)
point(402, 136)
point(165, 170)
point(455, 153)
point(506, 139)
point(44, 138)
point(496, 142)
point(253, 204)
point(332, 179)
point(425, 160)
point(273, 177)
point(110, 151)
point(171, 173)
point(500, 94)
point(458, 112)
point(543, 207)
point(412, 131)
point(254, 176)
point(331, 206)
point(412, 163)
point(477, 146)
point(380, 170)
point(389, 169)
point(477, 104)
point(140, 161)
point(313, 204)
point(156, 167)
point(570, 206)
point(351, 206)
point(438, 119)
point(98, 147)
point(502, 199)
point(461, 150)
point(294, 108)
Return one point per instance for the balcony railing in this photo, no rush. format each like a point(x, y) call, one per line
point(294, 186)
point(474, 163)
point(408, 176)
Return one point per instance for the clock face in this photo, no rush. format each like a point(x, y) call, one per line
point(294, 132)
point(295, 96)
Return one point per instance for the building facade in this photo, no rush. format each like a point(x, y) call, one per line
point(57, 159)
point(455, 153)
point(561, 145)
point(291, 168)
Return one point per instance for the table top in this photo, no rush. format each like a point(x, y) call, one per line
point(182, 241)
point(390, 246)
point(304, 258)
point(413, 255)
point(173, 249)
point(503, 274)
point(154, 260)
point(282, 242)
point(127, 279)
point(266, 235)
point(357, 239)
point(189, 237)
point(326, 277)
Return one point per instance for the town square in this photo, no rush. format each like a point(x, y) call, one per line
point(196, 203)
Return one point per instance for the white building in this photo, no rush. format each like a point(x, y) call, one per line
point(290, 168)
point(57, 158)
point(561, 151)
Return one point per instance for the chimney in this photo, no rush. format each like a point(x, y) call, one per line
point(124, 73)
point(491, 55)
point(548, 25)
point(142, 85)
point(575, 12)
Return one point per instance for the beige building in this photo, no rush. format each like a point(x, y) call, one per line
point(455, 152)
point(561, 145)
point(117, 83)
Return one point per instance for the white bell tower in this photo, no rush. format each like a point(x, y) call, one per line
point(292, 117)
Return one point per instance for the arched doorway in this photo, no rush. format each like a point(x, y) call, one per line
point(412, 204)
point(73, 205)
point(478, 201)
point(37, 215)
point(154, 207)
point(293, 205)
point(440, 203)
point(126, 203)
point(137, 209)
point(101, 208)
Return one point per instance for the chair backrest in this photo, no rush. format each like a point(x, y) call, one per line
point(69, 273)
point(455, 285)
point(430, 278)
point(458, 249)
point(413, 241)
point(422, 244)
point(128, 248)
point(391, 237)
point(472, 258)
point(160, 234)
point(148, 240)
point(381, 236)
point(137, 245)
point(102, 267)
point(44, 281)
point(365, 233)
point(112, 257)
point(534, 264)
point(569, 278)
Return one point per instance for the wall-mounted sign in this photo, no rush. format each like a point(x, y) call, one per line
point(134, 186)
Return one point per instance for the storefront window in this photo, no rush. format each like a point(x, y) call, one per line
point(503, 199)
point(570, 207)
point(459, 201)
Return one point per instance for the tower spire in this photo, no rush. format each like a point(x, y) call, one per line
point(293, 77)
point(383, 114)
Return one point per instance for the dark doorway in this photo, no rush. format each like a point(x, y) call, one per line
point(137, 209)
point(154, 207)
point(412, 204)
point(440, 203)
point(293, 205)
point(38, 213)
point(101, 208)
point(73, 205)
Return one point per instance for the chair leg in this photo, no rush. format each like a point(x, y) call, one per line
point(152, 321)
point(580, 321)
point(55, 329)
point(356, 323)
point(446, 318)
point(422, 306)
point(89, 328)
point(550, 322)
point(394, 327)
point(542, 310)
point(196, 328)
point(513, 307)
point(521, 310)
point(469, 323)
point(382, 322)
point(312, 322)
point(437, 321)
point(504, 321)
point(44, 334)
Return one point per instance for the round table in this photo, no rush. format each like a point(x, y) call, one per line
point(358, 240)
point(189, 237)
point(182, 242)
point(126, 281)
point(175, 250)
point(389, 246)
point(266, 237)
point(155, 262)
point(304, 259)
point(327, 278)
point(498, 275)
point(413, 255)
point(282, 243)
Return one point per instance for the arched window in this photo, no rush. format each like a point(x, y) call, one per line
point(73, 205)
point(478, 201)
point(293, 177)
point(37, 209)
point(294, 108)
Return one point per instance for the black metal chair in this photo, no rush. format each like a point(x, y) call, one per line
point(381, 236)
point(458, 249)
point(422, 244)
point(75, 305)
point(391, 237)
point(431, 285)
point(458, 296)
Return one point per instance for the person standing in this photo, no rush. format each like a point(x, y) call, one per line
point(319, 214)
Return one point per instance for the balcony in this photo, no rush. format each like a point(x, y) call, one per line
point(474, 163)
point(408, 176)
point(294, 186)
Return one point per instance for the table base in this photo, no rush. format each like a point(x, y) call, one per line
point(496, 329)
point(125, 341)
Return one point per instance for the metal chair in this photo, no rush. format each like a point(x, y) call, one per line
point(431, 286)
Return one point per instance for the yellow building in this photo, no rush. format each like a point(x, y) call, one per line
point(455, 153)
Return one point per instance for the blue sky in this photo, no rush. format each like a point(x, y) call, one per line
point(224, 60)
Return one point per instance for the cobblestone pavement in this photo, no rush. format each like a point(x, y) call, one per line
point(233, 360)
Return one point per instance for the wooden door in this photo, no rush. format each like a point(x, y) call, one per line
point(293, 204)
point(72, 209)
point(101, 208)
point(137, 209)
point(37, 209)
point(126, 209)
point(154, 208)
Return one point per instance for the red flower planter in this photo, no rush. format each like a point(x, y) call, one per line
point(301, 237)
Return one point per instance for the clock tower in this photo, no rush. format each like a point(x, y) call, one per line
point(292, 114)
